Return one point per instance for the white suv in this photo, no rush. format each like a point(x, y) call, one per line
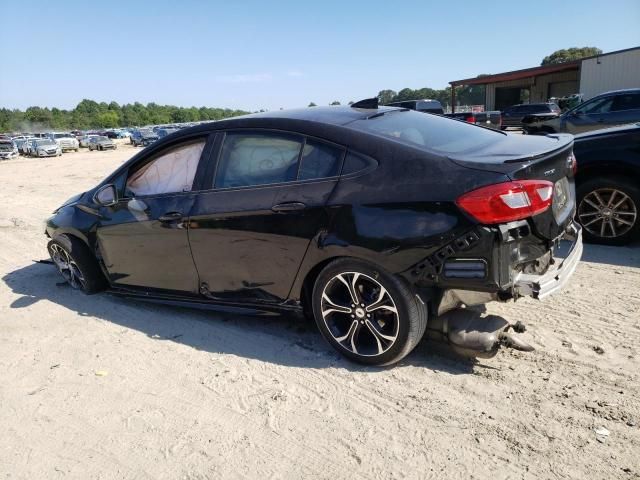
point(65, 140)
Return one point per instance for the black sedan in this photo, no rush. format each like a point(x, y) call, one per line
point(608, 184)
point(369, 219)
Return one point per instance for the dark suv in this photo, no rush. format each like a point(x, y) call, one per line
point(512, 116)
point(618, 107)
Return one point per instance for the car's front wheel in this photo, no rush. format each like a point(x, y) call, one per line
point(76, 264)
point(608, 210)
point(367, 314)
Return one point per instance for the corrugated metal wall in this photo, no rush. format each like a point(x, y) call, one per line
point(610, 72)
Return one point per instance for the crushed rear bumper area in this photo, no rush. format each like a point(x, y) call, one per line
point(541, 286)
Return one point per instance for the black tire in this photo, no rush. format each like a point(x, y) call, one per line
point(82, 271)
point(404, 328)
point(585, 211)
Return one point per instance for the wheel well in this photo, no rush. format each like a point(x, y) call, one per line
point(308, 283)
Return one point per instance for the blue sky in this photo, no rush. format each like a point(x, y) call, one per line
point(257, 54)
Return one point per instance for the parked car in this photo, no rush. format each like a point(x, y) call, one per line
point(84, 140)
point(44, 147)
point(163, 132)
point(425, 105)
point(24, 149)
point(512, 116)
point(372, 220)
point(66, 141)
point(608, 184)
point(101, 143)
point(618, 107)
point(142, 137)
point(8, 149)
point(491, 119)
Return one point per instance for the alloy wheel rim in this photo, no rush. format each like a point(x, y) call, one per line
point(67, 267)
point(360, 314)
point(607, 213)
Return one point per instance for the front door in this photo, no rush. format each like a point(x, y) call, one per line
point(143, 239)
point(249, 234)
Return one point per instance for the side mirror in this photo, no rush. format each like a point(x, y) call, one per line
point(106, 196)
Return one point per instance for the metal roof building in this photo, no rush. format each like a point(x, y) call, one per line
point(589, 76)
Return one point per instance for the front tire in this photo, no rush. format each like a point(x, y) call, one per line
point(368, 315)
point(609, 210)
point(76, 264)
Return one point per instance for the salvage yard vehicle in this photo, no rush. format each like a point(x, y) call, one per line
point(8, 149)
point(514, 115)
point(372, 220)
point(84, 140)
point(44, 147)
point(490, 119)
point(608, 184)
point(65, 140)
point(618, 107)
point(142, 137)
point(425, 105)
point(101, 143)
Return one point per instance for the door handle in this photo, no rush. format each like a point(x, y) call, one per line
point(288, 207)
point(171, 217)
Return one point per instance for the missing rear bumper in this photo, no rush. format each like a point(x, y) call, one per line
point(541, 286)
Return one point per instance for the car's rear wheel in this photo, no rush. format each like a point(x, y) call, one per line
point(608, 210)
point(367, 314)
point(76, 264)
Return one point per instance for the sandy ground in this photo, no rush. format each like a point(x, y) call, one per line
point(105, 387)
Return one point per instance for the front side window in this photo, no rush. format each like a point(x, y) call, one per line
point(249, 159)
point(598, 106)
point(172, 171)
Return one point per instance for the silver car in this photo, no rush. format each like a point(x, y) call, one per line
point(84, 140)
point(44, 147)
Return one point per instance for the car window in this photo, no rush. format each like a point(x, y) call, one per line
point(354, 163)
point(249, 159)
point(598, 106)
point(430, 132)
point(319, 160)
point(629, 101)
point(173, 170)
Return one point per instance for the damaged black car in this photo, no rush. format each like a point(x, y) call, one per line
point(372, 220)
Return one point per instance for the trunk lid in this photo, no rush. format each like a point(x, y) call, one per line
point(533, 158)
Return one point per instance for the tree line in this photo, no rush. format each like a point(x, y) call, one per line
point(91, 114)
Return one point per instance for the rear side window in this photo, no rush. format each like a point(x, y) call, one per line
point(249, 159)
point(171, 171)
point(354, 163)
point(630, 101)
point(430, 132)
point(319, 160)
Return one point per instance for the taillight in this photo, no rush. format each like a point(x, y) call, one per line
point(508, 201)
point(471, 119)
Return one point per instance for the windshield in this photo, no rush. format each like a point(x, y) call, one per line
point(43, 143)
point(6, 146)
point(62, 135)
point(431, 132)
point(101, 139)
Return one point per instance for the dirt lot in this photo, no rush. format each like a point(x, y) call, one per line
point(104, 387)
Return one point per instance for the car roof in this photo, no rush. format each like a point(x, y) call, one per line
point(336, 115)
point(622, 90)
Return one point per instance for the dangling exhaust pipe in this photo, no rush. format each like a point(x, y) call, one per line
point(471, 335)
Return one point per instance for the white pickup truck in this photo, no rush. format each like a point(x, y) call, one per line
point(65, 140)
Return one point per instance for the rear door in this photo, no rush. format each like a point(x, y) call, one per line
point(250, 231)
point(591, 115)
